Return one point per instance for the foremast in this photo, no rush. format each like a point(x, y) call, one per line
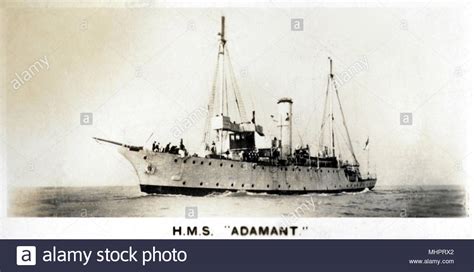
point(218, 124)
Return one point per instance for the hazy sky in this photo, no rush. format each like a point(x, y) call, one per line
point(143, 71)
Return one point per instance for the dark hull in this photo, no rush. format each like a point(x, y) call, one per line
point(156, 189)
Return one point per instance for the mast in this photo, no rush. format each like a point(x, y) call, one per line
point(329, 100)
point(368, 161)
point(368, 155)
point(222, 52)
point(323, 121)
point(223, 88)
point(218, 107)
point(332, 113)
point(222, 33)
point(332, 136)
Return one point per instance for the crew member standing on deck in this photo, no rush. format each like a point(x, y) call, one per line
point(182, 149)
point(213, 147)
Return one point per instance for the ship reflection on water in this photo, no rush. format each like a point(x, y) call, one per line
point(429, 201)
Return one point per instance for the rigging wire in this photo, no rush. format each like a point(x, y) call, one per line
point(235, 87)
point(345, 125)
point(323, 121)
point(211, 101)
point(329, 105)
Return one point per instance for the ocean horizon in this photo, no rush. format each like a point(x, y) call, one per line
point(128, 201)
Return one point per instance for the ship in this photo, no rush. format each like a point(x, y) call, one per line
point(232, 161)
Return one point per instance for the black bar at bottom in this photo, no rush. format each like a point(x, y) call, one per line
point(240, 255)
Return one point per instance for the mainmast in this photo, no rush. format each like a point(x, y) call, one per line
point(331, 76)
point(329, 100)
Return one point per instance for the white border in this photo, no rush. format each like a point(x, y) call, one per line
point(160, 228)
point(318, 228)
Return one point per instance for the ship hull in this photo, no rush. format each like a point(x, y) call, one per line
point(157, 189)
point(164, 173)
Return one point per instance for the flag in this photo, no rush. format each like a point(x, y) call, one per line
point(366, 144)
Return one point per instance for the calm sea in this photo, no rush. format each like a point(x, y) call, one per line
point(439, 201)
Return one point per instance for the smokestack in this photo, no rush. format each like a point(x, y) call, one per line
point(285, 111)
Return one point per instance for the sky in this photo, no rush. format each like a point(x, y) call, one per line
point(143, 72)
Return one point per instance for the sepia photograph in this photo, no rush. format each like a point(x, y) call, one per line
point(275, 112)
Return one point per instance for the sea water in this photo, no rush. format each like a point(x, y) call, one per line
point(428, 201)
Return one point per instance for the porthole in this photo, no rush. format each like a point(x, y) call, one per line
point(242, 185)
point(253, 167)
point(241, 166)
point(200, 183)
point(210, 163)
point(279, 185)
point(289, 186)
point(253, 185)
point(231, 166)
point(268, 186)
point(304, 188)
point(217, 184)
point(144, 157)
point(194, 162)
point(263, 167)
point(184, 182)
point(221, 164)
point(202, 162)
point(175, 160)
point(231, 185)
